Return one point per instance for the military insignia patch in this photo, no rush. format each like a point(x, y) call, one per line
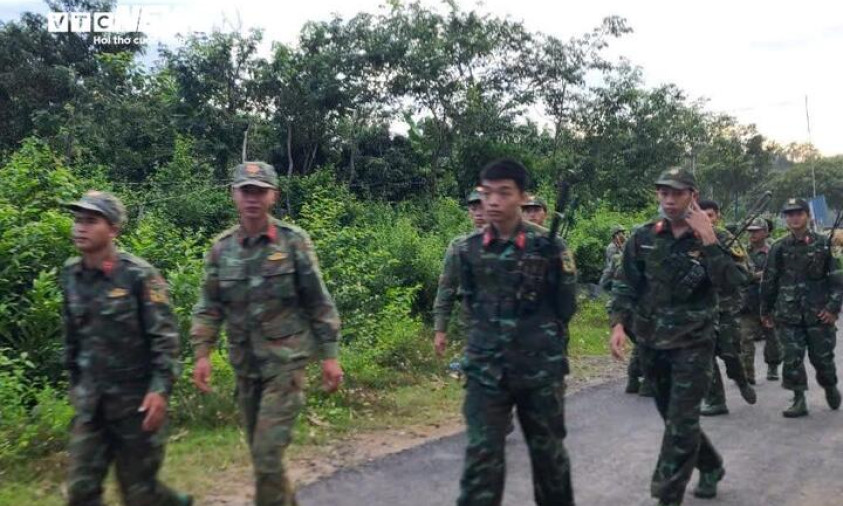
point(158, 290)
point(117, 293)
point(277, 256)
point(252, 169)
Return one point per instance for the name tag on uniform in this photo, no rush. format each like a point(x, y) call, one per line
point(117, 293)
point(277, 256)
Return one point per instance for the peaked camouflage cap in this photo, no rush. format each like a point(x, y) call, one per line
point(678, 178)
point(534, 201)
point(103, 203)
point(259, 174)
point(474, 196)
point(758, 224)
point(796, 205)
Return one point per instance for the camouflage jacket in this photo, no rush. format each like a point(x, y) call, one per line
point(610, 269)
point(732, 297)
point(666, 292)
point(757, 263)
point(270, 293)
point(448, 290)
point(519, 304)
point(121, 336)
point(801, 279)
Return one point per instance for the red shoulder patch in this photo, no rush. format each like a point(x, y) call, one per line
point(487, 237)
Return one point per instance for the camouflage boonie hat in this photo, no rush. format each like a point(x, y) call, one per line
point(796, 205)
point(678, 178)
point(757, 224)
point(534, 201)
point(255, 174)
point(102, 203)
point(618, 229)
point(474, 196)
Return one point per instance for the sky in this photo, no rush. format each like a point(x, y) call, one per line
point(755, 60)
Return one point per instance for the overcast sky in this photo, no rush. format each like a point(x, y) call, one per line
point(756, 60)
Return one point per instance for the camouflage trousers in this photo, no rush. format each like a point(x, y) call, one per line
point(819, 341)
point(751, 331)
point(680, 377)
point(541, 413)
point(728, 348)
point(269, 407)
point(97, 440)
point(633, 369)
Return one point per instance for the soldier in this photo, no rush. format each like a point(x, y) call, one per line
point(535, 210)
point(449, 282)
point(520, 291)
point(728, 330)
point(475, 209)
point(801, 293)
point(121, 350)
point(667, 295)
point(752, 329)
point(262, 278)
point(614, 254)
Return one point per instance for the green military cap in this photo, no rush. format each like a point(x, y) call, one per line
point(474, 196)
point(796, 205)
point(757, 224)
point(534, 201)
point(102, 203)
point(617, 229)
point(678, 178)
point(255, 174)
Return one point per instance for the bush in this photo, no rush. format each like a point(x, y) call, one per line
point(35, 416)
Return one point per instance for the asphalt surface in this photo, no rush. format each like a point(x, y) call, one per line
point(613, 442)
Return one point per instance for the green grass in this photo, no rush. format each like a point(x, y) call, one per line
point(203, 460)
point(589, 330)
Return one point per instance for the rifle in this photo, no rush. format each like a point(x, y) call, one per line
point(562, 195)
point(754, 212)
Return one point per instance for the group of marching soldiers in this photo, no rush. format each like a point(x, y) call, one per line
point(683, 290)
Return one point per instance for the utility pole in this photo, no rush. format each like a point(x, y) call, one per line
point(813, 171)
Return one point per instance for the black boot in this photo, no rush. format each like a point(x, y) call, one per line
point(798, 408)
point(832, 396)
point(707, 487)
point(748, 393)
point(633, 384)
point(772, 372)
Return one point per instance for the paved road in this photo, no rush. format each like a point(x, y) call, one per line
point(613, 440)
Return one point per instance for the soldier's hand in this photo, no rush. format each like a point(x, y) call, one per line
point(700, 224)
point(331, 375)
point(155, 407)
point(440, 343)
point(618, 342)
point(202, 374)
point(827, 317)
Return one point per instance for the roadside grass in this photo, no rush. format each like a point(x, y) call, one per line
point(202, 460)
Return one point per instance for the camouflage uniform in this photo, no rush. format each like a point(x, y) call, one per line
point(279, 316)
point(752, 329)
point(614, 256)
point(121, 343)
point(728, 332)
point(667, 296)
point(801, 279)
point(448, 290)
point(516, 356)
